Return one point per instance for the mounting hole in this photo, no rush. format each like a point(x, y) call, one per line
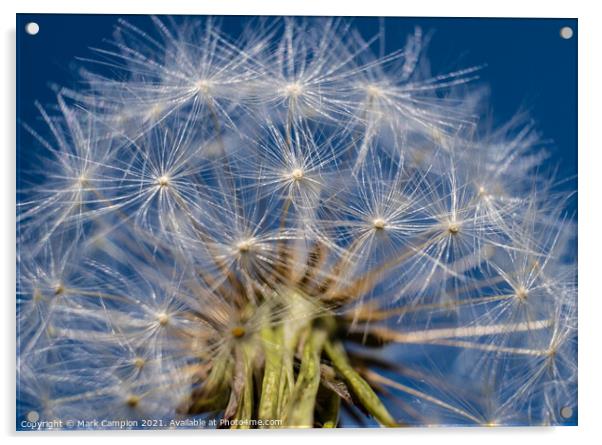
point(566, 32)
point(32, 28)
point(33, 416)
point(566, 412)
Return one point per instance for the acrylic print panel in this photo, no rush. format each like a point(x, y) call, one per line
point(285, 222)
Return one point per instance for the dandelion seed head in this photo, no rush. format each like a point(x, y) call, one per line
point(522, 293)
point(215, 213)
point(379, 223)
point(374, 91)
point(238, 332)
point(203, 86)
point(59, 289)
point(163, 181)
point(82, 180)
point(132, 401)
point(297, 174)
point(244, 246)
point(453, 228)
point(163, 319)
point(293, 90)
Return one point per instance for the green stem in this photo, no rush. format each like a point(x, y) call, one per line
point(303, 399)
point(244, 410)
point(358, 385)
point(270, 390)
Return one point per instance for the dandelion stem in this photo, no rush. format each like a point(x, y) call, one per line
point(244, 409)
point(303, 399)
point(270, 391)
point(358, 385)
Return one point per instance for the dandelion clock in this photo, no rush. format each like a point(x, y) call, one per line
point(295, 222)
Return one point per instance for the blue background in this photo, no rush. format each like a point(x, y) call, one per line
point(528, 66)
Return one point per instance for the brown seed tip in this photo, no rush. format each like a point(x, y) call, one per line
point(163, 181)
point(522, 293)
point(297, 174)
point(244, 246)
point(163, 319)
point(238, 331)
point(379, 223)
point(59, 289)
point(453, 228)
point(132, 401)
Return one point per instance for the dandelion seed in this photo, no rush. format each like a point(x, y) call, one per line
point(238, 331)
point(163, 319)
point(133, 401)
point(59, 289)
point(293, 90)
point(379, 223)
point(522, 293)
point(203, 86)
point(374, 91)
point(297, 174)
point(163, 181)
point(453, 228)
point(245, 246)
